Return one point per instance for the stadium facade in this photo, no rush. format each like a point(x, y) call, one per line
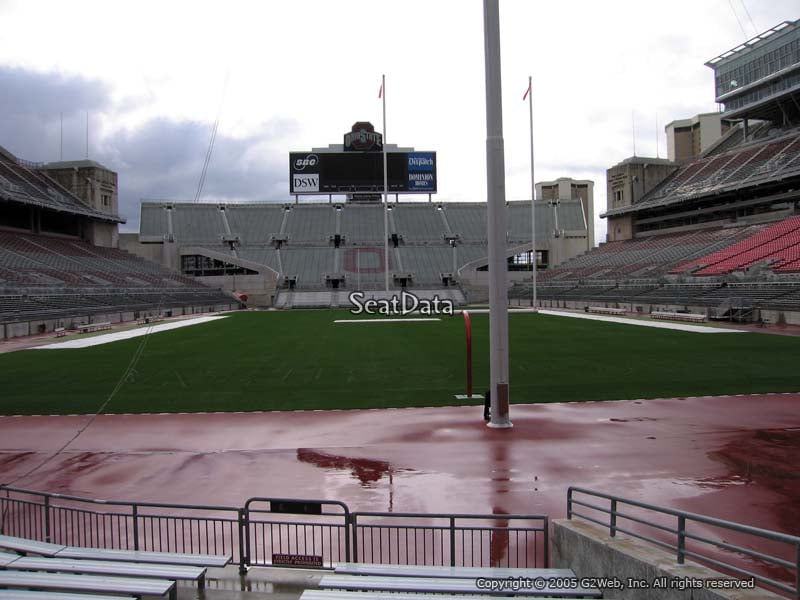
point(713, 229)
point(312, 254)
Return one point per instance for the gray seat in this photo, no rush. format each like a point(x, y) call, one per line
point(140, 556)
point(26, 546)
point(36, 595)
point(116, 568)
point(446, 572)
point(350, 595)
point(443, 585)
point(88, 583)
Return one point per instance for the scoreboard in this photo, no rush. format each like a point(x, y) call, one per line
point(361, 172)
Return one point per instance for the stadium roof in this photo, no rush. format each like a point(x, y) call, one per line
point(22, 181)
point(742, 168)
point(750, 44)
point(74, 164)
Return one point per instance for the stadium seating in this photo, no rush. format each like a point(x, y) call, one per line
point(45, 260)
point(728, 168)
point(252, 224)
point(362, 224)
point(419, 223)
point(45, 277)
point(780, 242)
point(20, 181)
point(310, 224)
point(646, 257)
point(298, 241)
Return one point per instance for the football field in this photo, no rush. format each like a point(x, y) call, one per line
point(252, 361)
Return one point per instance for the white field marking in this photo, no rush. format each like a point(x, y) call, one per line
point(643, 323)
point(124, 335)
point(384, 320)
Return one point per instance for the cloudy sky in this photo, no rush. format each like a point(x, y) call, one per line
point(290, 75)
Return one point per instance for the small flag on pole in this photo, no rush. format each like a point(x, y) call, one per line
point(528, 91)
point(380, 91)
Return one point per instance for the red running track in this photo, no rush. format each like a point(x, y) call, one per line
point(734, 458)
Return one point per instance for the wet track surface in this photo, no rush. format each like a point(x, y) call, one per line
point(734, 458)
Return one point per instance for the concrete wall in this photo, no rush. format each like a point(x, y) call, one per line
point(130, 243)
point(590, 552)
point(564, 248)
point(620, 228)
point(260, 289)
point(634, 177)
point(574, 189)
point(102, 234)
point(163, 253)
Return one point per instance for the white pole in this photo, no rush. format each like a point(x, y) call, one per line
point(385, 191)
point(658, 155)
point(533, 195)
point(496, 220)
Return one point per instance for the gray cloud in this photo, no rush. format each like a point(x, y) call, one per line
point(162, 158)
point(32, 104)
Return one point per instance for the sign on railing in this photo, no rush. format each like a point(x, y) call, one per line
point(286, 532)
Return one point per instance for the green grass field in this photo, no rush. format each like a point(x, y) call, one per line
point(302, 360)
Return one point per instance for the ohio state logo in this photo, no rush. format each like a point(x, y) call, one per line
point(363, 136)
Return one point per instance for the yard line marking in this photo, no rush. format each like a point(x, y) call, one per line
point(385, 320)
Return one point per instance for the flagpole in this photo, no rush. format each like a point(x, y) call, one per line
point(534, 257)
point(385, 191)
point(496, 221)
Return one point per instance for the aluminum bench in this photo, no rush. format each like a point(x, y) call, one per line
point(6, 558)
point(37, 595)
point(88, 583)
point(115, 568)
point(350, 595)
point(446, 572)
point(140, 556)
point(602, 310)
point(442, 585)
point(26, 546)
point(675, 316)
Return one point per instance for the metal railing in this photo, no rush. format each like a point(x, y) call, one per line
point(253, 535)
point(269, 530)
point(782, 560)
point(451, 539)
point(74, 521)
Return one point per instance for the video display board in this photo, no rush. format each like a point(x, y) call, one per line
point(354, 172)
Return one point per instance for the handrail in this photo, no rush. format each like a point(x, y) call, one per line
point(682, 535)
point(450, 529)
point(295, 526)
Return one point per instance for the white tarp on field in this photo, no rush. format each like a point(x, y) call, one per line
point(124, 335)
point(642, 322)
